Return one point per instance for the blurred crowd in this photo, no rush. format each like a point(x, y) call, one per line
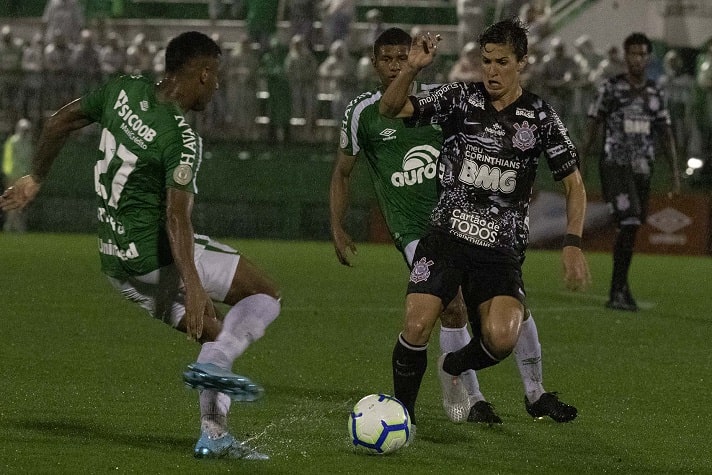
point(271, 88)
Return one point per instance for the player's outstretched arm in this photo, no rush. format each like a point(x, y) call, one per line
point(338, 205)
point(53, 137)
point(198, 304)
point(395, 102)
point(576, 272)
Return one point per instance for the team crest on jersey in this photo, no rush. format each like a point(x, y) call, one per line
point(343, 139)
point(421, 270)
point(524, 138)
point(182, 174)
point(654, 103)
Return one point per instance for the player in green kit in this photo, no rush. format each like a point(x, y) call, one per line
point(145, 182)
point(403, 167)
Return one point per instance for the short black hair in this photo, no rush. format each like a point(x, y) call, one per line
point(512, 32)
point(189, 45)
point(391, 36)
point(637, 39)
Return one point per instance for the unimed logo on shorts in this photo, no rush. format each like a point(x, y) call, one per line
point(669, 221)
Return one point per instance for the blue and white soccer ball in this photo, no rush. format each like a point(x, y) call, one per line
point(379, 424)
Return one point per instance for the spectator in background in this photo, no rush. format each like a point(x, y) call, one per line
point(261, 21)
point(10, 69)
point(31, 95)
point(241, 75)
point(58, 80)
point(559, 74)
point(679, 86)
point(337, 17)
point(337, 74)
point(139, 57)
point(85, 64)
point(63, 17)
point(537, 15)
point(366, 77)
point(301, 67)
point(17, 153)
point(112, 56)
point(468, 67)
point(301, 15)
point(702, 146)
point(612, 65)
point(374, 27)
point(216, 9)
point(279, 102)
point(470, 21)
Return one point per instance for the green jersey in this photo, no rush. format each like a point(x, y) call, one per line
point(402, 164)
point(146, 147)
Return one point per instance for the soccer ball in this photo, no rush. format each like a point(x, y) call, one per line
point(379, 424)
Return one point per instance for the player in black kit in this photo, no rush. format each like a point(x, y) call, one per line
point(494, 133)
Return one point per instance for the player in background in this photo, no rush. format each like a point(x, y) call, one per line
point(634, 111)
point(493, 134)
point(145, 181)
point(402, 164)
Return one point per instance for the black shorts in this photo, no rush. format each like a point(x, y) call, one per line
point(443, 263)
point(626, 193)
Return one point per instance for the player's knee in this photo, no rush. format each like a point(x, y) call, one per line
point(500, 342)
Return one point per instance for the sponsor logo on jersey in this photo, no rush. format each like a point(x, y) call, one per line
point(473, 228)
point(476, 100)
point(525, 112)
point(419, 165)
point(487, 177)
point(636, 126)
point(555, 151)
point(421, 270)
point(106, 218)
point(495, 130)
point(524, 137)
point(110, 249)
point(133, 126)
point(387, 134)
point(143, 105)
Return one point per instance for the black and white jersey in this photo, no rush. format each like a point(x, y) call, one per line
point(632, 115)
point(489, 160)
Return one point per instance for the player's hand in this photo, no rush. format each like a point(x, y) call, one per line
point(577, 276)
point(423, 50)
point(198, 306)
point(342, 245)
point(20, 194)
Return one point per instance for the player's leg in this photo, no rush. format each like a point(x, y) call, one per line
point(410, 358)
point(234, 280)
point(453, 336)
point(619, 189)
point(527, 353)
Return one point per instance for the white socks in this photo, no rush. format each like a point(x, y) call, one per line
point(527, 353)
point(214, 407)
point(243, 324)
point(452, 339)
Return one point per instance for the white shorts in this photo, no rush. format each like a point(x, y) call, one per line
point(160, 292)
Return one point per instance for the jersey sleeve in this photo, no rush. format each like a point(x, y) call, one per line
point(437, 106)
point(559, 149)
point(348, 135)
point(182, 156)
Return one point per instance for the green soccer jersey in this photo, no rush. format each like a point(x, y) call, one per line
point(146, 147)
point(402, 163)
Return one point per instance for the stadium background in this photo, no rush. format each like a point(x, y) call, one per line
point(281, 192)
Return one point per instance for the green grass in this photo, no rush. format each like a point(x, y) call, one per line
point(90, 384)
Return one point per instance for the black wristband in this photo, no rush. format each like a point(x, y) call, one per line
point(572, 240)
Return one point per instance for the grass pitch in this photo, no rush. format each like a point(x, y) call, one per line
point(91, 384)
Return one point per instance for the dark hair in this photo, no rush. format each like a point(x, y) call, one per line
point(391, 36)
point(187, 46)
point(637, 39)
point(512, 32)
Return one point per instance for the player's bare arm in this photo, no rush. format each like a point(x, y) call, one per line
point(180, 235)
point(338, 205)
point(54, 134)
point(395, 102)
point(576, 272)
